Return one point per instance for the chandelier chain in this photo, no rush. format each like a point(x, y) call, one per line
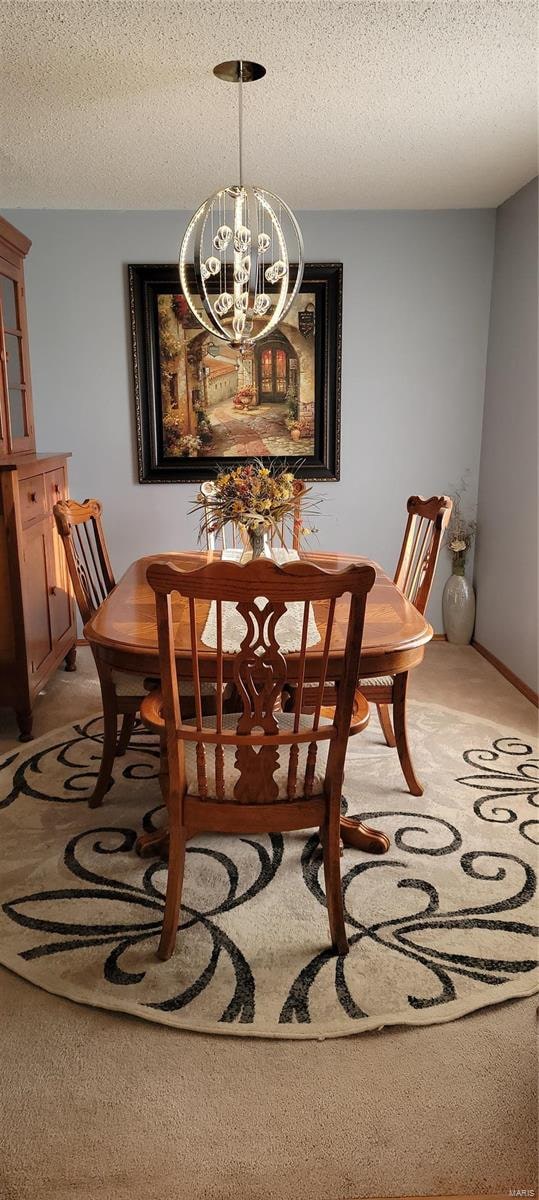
point(240, 121)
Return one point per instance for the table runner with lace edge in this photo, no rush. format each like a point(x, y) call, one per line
point(288, 628)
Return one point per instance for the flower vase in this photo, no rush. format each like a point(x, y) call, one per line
point(258, 547)
point(458, 607)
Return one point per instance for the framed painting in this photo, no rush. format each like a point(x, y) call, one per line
point(200, 403)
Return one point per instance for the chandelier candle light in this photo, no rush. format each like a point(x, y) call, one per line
point(242, 242)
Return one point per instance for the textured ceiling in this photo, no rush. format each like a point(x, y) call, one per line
point(385, 104)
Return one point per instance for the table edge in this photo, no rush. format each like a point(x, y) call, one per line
point(144, 649)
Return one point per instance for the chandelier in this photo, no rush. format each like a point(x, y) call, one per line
point(246, 248)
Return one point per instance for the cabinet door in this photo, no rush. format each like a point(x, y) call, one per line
point(60, 602)
point(38, 626)
point(17, 423)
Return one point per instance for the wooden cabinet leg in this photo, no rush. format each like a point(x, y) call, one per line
point(71, 659)
point(401, 734)
point(24, 721)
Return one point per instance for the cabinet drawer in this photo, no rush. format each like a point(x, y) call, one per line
point(55, 487)
point(32, 498)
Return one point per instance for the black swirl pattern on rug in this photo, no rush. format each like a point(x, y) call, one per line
point(396, 935)
point(78, 778)
point(418, 836)
point(144, 923)
point(498, 775)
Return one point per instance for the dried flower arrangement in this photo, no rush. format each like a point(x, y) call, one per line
point(257, 498)
point(460, 530)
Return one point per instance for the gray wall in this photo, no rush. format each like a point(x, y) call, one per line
point(415, 325)
point(506, 557)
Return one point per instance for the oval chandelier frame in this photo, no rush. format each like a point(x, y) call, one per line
point(237, 286)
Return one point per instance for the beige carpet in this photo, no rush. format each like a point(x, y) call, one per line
point(91, 1110)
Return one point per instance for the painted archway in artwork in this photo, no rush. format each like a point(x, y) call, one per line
point(276, 368)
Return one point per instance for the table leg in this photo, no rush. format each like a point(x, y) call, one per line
point(353, 833)
point(362, 837)
point(154, 844)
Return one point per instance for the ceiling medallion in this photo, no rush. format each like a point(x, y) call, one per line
point(246, 248)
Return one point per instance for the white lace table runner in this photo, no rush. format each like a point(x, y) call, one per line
point(287, 630)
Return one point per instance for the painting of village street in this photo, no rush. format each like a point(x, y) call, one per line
point(216, 402)
point(200, 401)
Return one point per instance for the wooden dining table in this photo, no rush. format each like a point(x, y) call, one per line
point(123, 634)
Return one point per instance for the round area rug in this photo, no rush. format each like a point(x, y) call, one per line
point(441, 925)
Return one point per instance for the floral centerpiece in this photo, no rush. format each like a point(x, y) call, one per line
point(460, 532)
point(259, 499)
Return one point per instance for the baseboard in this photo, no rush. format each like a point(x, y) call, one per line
point(439, 637)
point(82, 642)
point(518, 683)
point(468, 1196)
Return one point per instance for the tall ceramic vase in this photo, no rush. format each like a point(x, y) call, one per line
point(458, 606)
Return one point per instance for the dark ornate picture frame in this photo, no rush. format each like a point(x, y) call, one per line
point(166, 335)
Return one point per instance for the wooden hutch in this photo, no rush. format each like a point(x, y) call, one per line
point(37, 623)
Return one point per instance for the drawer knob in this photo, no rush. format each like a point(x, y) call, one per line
point(57, 488)
point(33, 497)
point(53, 590)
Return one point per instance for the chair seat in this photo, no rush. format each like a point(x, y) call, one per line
point(376, 681)
point(231, 775)
point(128, 683)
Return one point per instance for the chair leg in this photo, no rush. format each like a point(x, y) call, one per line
point(385, 721)
point(164, 782)
point(399, 719)
point(332, 876)
point(110, 733)
point(125, 733)
point(176, 862)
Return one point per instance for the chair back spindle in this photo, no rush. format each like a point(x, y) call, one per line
point(427, 520)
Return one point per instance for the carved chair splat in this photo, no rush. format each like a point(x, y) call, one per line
point(258, 770)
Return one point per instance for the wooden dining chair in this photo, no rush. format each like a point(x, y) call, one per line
point(230, 538)
point(261, 770)
point(80, 528)
point(427, 520)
